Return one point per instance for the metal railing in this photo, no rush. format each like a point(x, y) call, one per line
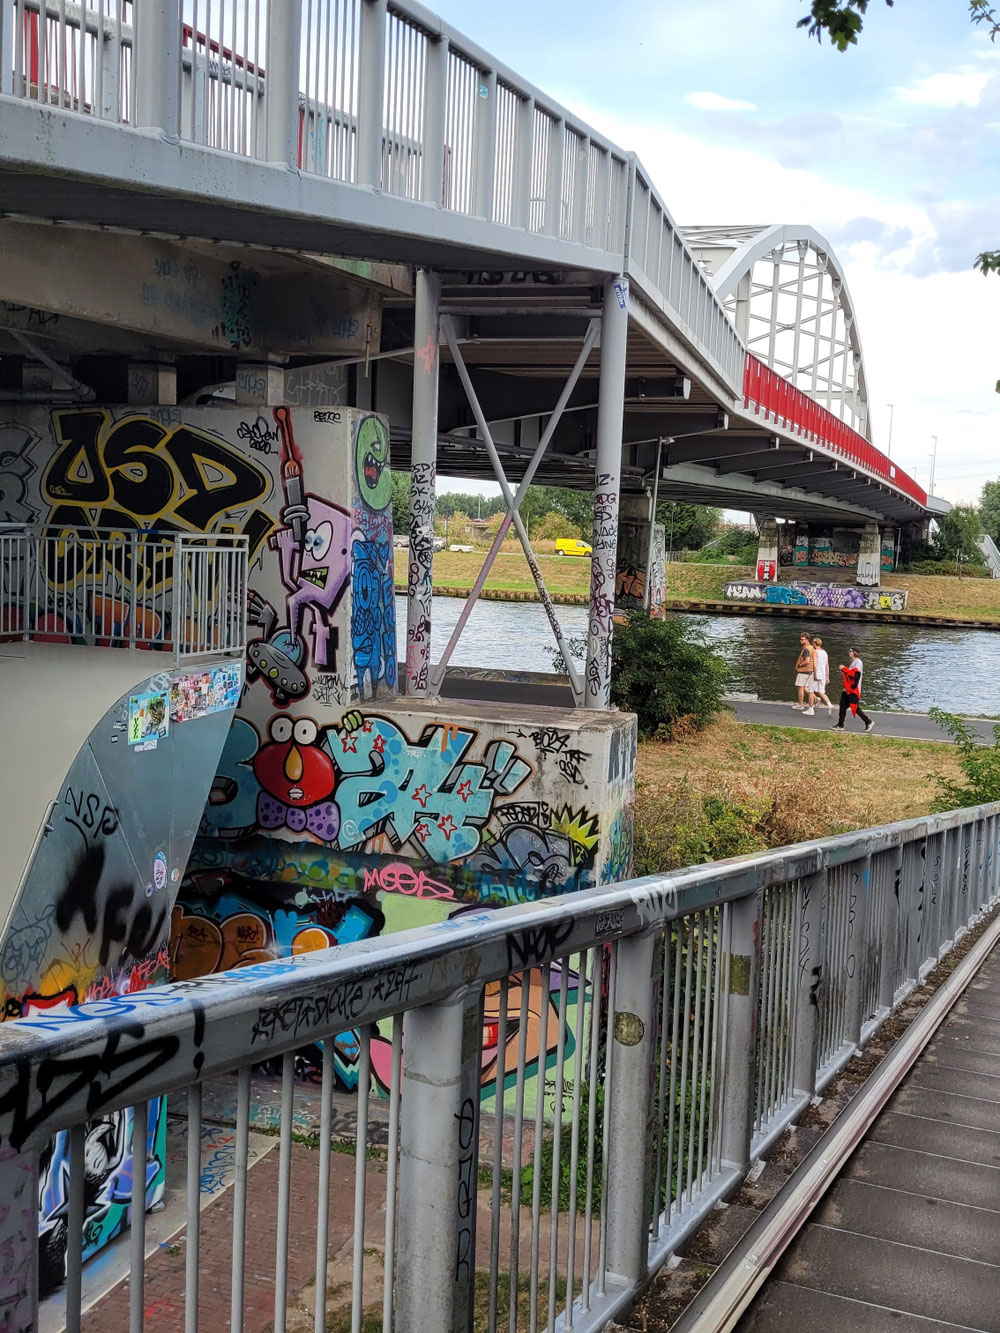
point(777, 399)
point(652, 1038)
point(990, 553)
point(112, 588)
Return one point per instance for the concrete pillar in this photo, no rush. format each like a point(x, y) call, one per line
point(260, 385)
point(888, 552)
point(371, 81)
point(151, 384)
point(156, 64)
point(423, 476)
point(801, 556)
point(767, 551)
point(281, 87)
point(870, 557)
point(607, 481)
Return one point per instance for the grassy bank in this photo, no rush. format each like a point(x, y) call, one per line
point(974, 599)
point(734, 788)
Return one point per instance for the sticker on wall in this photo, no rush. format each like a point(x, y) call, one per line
point(204, 692)
point(148, 719)
point(159, 871)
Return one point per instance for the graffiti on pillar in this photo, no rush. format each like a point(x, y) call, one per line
point(16, 470)
point(602, 590)
point(420, 582)
point(373, 603)
point(845, 597)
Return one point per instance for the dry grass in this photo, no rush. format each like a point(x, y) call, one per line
point(458, 569)
point(734, 787)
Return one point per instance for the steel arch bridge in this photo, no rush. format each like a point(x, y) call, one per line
point(787, 294)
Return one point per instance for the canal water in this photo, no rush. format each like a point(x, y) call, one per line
point(909, 667)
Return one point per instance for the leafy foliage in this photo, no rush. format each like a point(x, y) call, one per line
point(957, 533)
point(980, 765)
point(401, 502)
point(664, 673)
point(688, 526)
point(989, 509)
point(842, 22)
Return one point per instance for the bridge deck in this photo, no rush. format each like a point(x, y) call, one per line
point(909, 1236)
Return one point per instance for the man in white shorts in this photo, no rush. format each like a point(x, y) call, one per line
point(821, 676)
point(804, 672)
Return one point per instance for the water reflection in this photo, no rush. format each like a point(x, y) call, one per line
point(906, 666)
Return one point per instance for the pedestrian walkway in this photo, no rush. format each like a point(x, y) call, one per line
point(905, 726)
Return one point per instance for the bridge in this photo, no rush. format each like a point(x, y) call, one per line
point(247, 250)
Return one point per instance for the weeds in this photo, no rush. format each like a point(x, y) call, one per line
point(979, 764)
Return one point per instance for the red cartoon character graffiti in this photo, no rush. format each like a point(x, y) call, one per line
point(297, 779)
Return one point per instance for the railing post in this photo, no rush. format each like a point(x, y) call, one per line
point(892, 921)
point(859, 879)
point(371, 81)
point(742, 986)
point(554, 177)
point(438, 1165)
point(810, 971)
point(935, 880)
point(19, 1241)
point(133, 542)
point(7, 18)
point(991, 859)
point(581, 191)
point(281, 87)
point(435, 89)
point(179, 597)
point(914, 905)
point(156, 70)
point(631, 1110)
point(523, 162)
point(486, 144)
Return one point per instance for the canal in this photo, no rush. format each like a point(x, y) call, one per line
point(908, 667)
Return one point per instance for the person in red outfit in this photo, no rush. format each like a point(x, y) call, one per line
point(851, 694)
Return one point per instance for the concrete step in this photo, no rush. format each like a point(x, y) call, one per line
point(786, 1308)
point(912, 1219)
point(897, 1277)
point(926, 1173)
point(956, 1108)
point(937, 1136)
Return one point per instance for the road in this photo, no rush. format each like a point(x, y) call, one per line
point(907, 726)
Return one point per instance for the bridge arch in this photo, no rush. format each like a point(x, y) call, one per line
point(787, 295)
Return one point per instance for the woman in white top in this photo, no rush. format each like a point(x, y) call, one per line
point(821, 675)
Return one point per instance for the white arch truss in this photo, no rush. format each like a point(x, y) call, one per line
point(788, 298)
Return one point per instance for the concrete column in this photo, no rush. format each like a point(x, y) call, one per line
point(371, 81)
point(607, 483)
point(260, 384)
point(801, 556)
point(767, 551)
point(888, 550)
point(742, 981)
point(435, 90)
point(156, 68)
point(438, 1160)
point(809, 981)
point(151, 383)
point(423, 476)
point(870, 557)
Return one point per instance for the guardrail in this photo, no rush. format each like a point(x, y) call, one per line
point(778, 400)
point(652, 1038)
point(163, 591)
point(990, 553)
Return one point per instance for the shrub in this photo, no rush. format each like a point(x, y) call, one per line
point(945, 568)
point(664, 672)
point(980, 765)
point(552, 526)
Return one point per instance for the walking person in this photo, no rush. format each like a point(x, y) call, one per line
point(821, 675)
point(803, 671)
point(851, 695)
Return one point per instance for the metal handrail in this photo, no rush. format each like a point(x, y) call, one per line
point(728, 993)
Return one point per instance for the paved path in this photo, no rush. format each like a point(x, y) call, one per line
point(909, 726)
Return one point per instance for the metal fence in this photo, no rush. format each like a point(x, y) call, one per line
point(166, 591)
point(570, 1086)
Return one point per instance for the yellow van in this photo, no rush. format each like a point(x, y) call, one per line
point(573, 546)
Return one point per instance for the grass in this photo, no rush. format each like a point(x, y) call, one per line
point(735, 788)
point(971, 599)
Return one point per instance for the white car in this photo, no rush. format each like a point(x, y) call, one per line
point(467, 549)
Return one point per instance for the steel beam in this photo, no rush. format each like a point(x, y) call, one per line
point(423, 474)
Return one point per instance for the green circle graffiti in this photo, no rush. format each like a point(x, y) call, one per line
point(371, 456)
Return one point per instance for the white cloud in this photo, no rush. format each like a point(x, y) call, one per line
point(716, 102)
point(962, 87)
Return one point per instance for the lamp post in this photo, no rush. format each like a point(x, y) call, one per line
point(930, 487)
point(888, 450)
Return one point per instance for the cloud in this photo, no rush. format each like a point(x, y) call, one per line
point(961, 87)
point(716, 102)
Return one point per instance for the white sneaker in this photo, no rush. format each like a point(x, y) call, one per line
point(808, 712)
point(798, 707)
point(829, 710)
point(869, 725)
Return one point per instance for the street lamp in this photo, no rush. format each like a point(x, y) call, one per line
point(930, 487)
point(888, 451)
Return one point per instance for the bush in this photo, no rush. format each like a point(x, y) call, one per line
point(664, 673)
point(980, 765)
point(945, 568)
point(552, 526)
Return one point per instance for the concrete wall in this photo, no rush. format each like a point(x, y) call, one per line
point(843, 595)
point(634, 539)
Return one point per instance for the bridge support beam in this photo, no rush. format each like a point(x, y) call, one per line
point(607, 486)
point(423, 477)
point(767, 551)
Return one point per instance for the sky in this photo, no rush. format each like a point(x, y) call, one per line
point(891, 150)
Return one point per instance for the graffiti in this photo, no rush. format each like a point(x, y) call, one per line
point(618, 858)
point(597, 682)
point(524, 812)
point(258, 434)
point(138, 934)
point(297, 779)
point(235, 301)
point(498, 277)
point(346, 1002)
point(90, 814)
point(420, 578)
point(134, 472)
point(15, 470)
point(205, 692)
point(547, 857)
point(373, 615)
point(536, 944)
point(399, 877)
point(371, 457)
point(630, 585)
point(26, 946)
point(835, 595)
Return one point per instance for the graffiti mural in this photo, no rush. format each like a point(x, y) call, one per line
point(420, 577)
point(843, 596)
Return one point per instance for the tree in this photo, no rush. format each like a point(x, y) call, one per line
point(957, 533)
point(842, 21)
point(401, 502)
point(688, 526)
point(989, 509)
